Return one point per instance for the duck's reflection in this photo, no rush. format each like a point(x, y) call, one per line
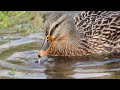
point(81, 67)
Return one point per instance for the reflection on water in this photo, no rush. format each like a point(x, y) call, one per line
point(21, 53)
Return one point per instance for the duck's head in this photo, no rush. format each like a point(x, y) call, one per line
point(58, 28)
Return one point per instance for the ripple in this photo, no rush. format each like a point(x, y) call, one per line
point(26, 54)
point(21, 75)
point(24, 40)
point(34, 67)
point(90, 64)
point(88, 75)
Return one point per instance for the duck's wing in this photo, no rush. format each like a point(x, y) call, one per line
point(106, 32)
point(87, 18)
point(100, 28)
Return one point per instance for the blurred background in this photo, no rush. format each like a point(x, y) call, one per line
point(21, 20)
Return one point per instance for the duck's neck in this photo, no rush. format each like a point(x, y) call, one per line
point(65, 50)
point(74, 47)
point(82, 43)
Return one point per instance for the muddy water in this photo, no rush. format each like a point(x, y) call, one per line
point(18, 59)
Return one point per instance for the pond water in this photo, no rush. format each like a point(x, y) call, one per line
point(18, 60)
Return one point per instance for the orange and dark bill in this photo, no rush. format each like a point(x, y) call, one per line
point(45, 47)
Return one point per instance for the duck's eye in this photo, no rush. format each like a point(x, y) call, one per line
point(56, 25)
point(53, 29)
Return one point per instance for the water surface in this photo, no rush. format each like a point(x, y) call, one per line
point(18, 59)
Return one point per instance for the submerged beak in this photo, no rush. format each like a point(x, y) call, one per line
point(46, 46)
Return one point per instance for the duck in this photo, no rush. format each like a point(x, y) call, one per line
point(86, 33)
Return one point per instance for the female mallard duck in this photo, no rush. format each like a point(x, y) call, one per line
point(90, 32)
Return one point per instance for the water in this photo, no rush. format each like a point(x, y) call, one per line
point(18, 59)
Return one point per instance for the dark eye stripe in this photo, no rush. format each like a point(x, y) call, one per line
point(53, 29)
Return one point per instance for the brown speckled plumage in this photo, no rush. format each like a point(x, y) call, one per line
point(88, 32)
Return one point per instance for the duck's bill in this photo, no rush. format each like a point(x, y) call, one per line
point(45, 48)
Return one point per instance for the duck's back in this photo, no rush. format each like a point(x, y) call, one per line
point(101, 29)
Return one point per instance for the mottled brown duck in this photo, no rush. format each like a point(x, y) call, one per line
point(89, 32)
